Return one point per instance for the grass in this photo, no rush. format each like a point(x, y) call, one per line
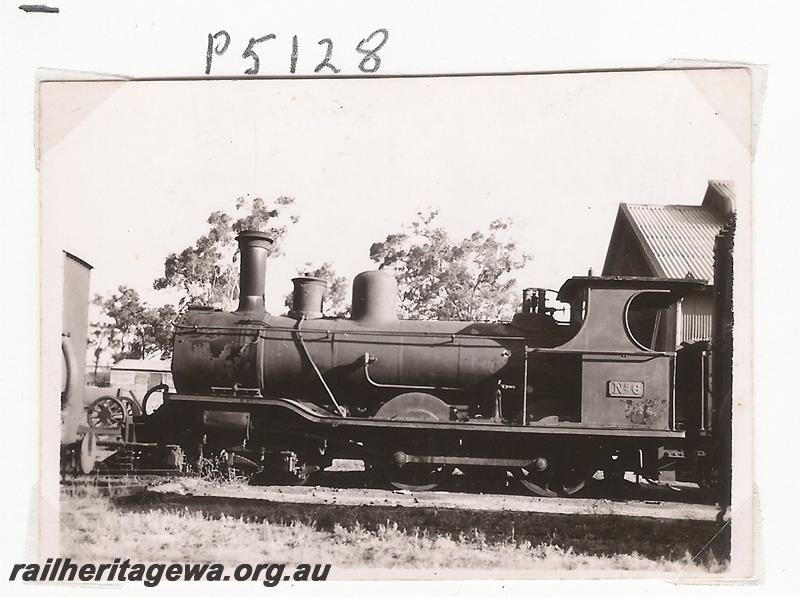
point(96, 528)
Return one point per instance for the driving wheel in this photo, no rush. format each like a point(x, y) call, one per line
point(413, 476)
point(566, 479)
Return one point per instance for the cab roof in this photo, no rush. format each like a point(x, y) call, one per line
point(679, 286)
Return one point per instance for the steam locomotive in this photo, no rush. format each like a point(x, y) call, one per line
point(549, 401)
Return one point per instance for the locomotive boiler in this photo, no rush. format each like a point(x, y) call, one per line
point(549, 401)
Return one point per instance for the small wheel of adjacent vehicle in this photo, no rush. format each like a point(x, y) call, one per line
point(131, 406)
point(107, 412)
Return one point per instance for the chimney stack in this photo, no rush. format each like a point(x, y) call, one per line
point(307, 297)
point(253, 248)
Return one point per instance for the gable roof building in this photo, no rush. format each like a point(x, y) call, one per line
point(674, 241)
point(669, 241)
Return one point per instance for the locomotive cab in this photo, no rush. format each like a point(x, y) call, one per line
point(626, 345)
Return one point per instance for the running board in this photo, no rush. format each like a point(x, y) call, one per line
point(319, 416)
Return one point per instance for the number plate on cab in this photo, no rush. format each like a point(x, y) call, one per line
point(625, 389)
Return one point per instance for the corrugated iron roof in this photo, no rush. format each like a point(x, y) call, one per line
point(724, 188)
point(677, 239)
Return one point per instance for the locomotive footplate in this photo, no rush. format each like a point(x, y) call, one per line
point(318, 416)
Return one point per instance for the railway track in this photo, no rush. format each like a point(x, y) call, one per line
point(187, 490)
point(600, 526)
point(351, 488)
point(116, 485)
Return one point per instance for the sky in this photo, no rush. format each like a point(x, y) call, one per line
point(129, 171)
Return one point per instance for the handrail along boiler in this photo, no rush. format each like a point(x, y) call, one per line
point(547, 401)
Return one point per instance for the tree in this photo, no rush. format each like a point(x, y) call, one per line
point(335, 302)
point(102, 337)
point(440, 278)
point(122, 311)
point(129, 328)
point(207, 272)
point(155, 332)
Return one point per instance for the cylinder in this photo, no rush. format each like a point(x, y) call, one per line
point(307, 297)
point(375, 297)
point(253, 251)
